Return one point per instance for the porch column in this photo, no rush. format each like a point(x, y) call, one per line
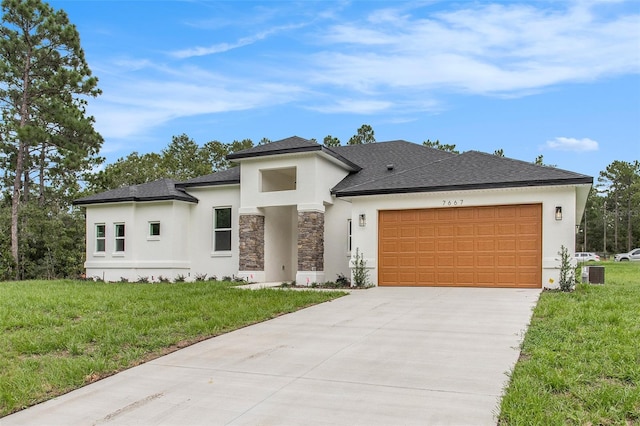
point(310, 245)
point(251, 248)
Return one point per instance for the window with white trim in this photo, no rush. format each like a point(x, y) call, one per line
point(349, 235)
point(100, 238)
point(154, 229)
point(222, 229)
point(119, 237)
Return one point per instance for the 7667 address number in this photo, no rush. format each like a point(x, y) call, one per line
point(452, 203)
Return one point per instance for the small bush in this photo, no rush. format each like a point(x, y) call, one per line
point(124, 280)
point(360, 271)
point(342, 280)
point(142, 279)
point(200, 277)
point(163, 279)
point(180, 278)
point(567, 273)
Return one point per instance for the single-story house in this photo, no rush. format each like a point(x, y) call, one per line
point(297, 210)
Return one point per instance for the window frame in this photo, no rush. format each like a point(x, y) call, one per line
point(99, 238)
point(215, 230)
point(117, 237)
point(151, 236)
point(349, 236)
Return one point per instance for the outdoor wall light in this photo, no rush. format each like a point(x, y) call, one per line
point(362, 220)
point(558, 212)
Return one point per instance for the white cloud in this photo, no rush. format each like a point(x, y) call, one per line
point(354, 106)
point(224, 47)
point(572, 144)
point(492, 49)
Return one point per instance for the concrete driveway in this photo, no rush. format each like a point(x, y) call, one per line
point(383, 356)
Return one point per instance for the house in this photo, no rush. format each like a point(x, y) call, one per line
point(297, 210)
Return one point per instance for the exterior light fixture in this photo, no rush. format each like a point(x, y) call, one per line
point(558, 212)
point(362, 220)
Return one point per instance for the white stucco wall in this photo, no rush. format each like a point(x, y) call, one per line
point(315, 176)
point(204, 260)
point(144, 256)
point(336, 252)
point(554, 233)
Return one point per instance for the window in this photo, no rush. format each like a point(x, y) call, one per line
point(119, 227)
point(100, 238)
point(222, 229)
point(278, 179)
point(349, 235)
point(154, 229)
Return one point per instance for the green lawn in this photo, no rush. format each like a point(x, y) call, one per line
point(60, 335)
point(580, 359)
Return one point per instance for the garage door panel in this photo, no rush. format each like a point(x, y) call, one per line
point(445, 246)
point(506, 245)
point(444, 261)
point(426, 261)
point(464, 246)
point(484, 230)
point(505, 229)
point(466, 230)
point(464, 261)
point(426, 246)
point(485, 260)
point(531, 260)
point(407, 246)
point(493, 246)
point(506, 261)
point(426, 231)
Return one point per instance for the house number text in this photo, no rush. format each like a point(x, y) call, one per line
point(452, 203)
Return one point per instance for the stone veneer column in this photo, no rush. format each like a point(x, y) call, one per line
point(310, 247)
point(251, 247)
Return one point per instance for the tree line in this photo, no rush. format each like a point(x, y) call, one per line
point(49, 154)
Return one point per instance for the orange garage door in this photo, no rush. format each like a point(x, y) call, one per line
point(494, 246)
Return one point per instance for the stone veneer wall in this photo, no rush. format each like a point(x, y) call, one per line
point(251, 243)
point(310, 241)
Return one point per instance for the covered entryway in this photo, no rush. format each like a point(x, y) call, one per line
point(490, 246)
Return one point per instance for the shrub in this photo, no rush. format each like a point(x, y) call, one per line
point(180, 278)
point(342, 280)
point(200, 277)
point(360, 271)
point(567, 273)
point(163, 279)
point(142, 279)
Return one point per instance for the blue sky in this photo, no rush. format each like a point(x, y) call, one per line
point(557, 78)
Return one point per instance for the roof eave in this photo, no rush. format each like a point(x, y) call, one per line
point(240, 156)
point(464, 187)
point(216, 183)
point(133, 199)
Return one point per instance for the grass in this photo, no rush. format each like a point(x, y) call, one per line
point(580, 359)
point(60, 335)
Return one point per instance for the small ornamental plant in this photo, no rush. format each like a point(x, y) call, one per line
point(567, 273)
point(360, 271)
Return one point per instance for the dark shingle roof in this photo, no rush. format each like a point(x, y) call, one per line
point(284, 146)
point(374, 159)
point(379, 168)
point(225, 177)
point(292, 145)
point(163, 189)
point(470, 170)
